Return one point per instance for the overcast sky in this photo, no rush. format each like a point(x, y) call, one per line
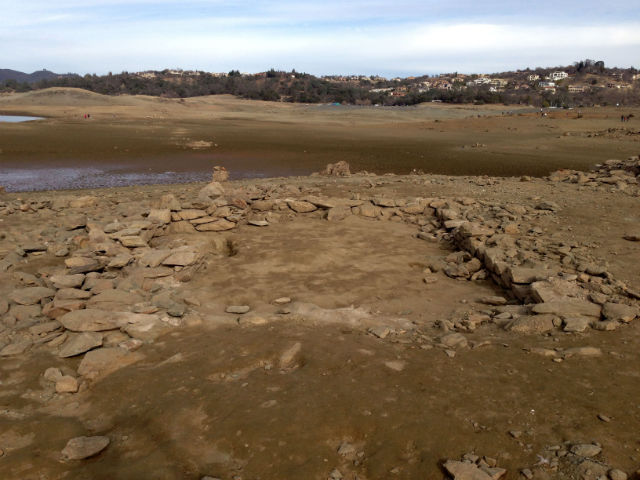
point(402, 37)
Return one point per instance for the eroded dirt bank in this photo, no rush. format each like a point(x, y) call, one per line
point(323, 327)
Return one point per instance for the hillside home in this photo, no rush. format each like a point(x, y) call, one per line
point(555, 76)
point(533, 77)
point(577, 88)
point(498, 82)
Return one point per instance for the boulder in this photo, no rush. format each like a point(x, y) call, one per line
point(338, 169)
point(619, 311)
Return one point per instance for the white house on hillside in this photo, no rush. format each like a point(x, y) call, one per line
point(555, 76)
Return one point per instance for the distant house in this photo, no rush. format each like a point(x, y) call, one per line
point(533, 77)
point(547, 84)
point(618, 85)
point(498, 82)
point(482, 81)
point(577, 88)
point(555, 76)
point(635, 77)
point(443, 85)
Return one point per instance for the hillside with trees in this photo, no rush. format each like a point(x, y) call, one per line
point(584, 83)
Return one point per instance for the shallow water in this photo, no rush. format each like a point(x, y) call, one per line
point(17, 118)
point(37, 177)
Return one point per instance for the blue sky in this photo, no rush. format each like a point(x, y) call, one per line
point(404, 37)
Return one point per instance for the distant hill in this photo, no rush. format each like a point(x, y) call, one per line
point(21, 77)
point(586, 82)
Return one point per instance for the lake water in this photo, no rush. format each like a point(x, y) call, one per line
point(51, 176)
point(17, 118)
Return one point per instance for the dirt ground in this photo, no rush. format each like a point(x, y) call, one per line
point(209, 399)
point(275, 139)
point(212, 396)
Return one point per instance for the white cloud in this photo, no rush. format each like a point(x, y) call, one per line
point(102, 35)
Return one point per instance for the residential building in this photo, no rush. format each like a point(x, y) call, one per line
point(577, 88)
point(533, 77)
point(555, 76)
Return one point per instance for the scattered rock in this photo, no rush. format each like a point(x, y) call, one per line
point(80, 448)
point(291, 357)
point(66, 384)
point(465, 471)
point(238, 309)
point(586, 450)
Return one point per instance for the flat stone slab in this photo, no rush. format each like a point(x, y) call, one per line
point(31, 295)
point(80, 448)
point(532, 324)
point(570, 307)
point(90, 320)
point(217, 226)
point(529, 275)
point(79, 343)
point(181, 259)
point(465, 471)
point(103, 361)
point(239, 309)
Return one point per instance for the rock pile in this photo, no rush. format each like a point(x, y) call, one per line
point(621, 175)
point(474, 467)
